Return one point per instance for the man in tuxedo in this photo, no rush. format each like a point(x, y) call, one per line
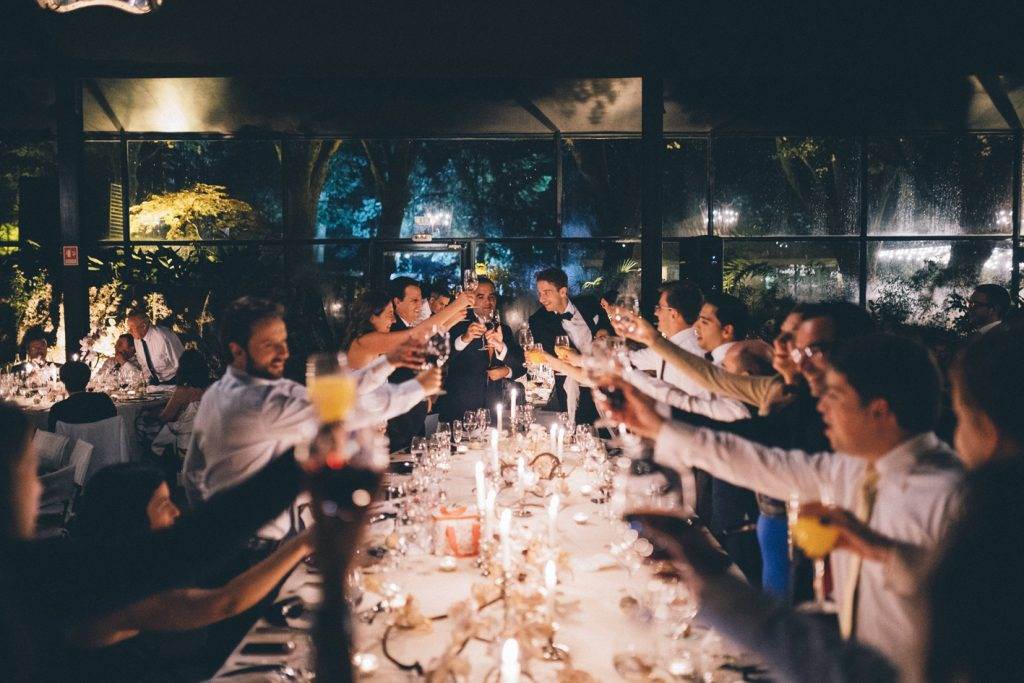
point(581, 319)
point(407, 300)
point(987, 307)
point(483, 362)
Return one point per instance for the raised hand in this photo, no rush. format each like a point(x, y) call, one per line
point(495, 338)
point(409, 354)
point(636, 411)
point(635, 327)
point(475, 331)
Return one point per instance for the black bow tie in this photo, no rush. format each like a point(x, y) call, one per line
point(709, 356)
point(564, 316)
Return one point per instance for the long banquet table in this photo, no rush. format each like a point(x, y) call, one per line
point(595, 629)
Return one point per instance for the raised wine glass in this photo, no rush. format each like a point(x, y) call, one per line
point(469, 280)
point(438, 349)
point(563, 346)
point(816, 541)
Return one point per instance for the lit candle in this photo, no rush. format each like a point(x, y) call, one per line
point(559, 437)
point(480, 492)
point(495, 464)
point(550, 581)
point(497, 410)
point(553, 432)
point(492, 497)
point(553, 517)
point(510, 661)
point(505, 531)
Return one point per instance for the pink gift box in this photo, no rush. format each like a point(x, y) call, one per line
point(456, 531)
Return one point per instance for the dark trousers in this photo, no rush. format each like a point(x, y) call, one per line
point(744, 550)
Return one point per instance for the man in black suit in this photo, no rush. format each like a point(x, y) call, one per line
point(80, 406)
point(483, 362)
point(407, 300)
point(582, 320)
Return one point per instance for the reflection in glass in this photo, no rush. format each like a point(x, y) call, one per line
point(785, 186)
point(205, 189)
point(940, 185)
point(602, 188)
point(772, 276)
point(685, 188)
point(598, 268)
point(928, 282)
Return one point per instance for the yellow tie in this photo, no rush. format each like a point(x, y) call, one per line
point(865, 502)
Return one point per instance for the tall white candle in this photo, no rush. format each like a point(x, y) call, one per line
point(553, 517)
point(497, 410)
point(510, 661)
point(481, 493)
point(559, 438)
point(553, 431)
point(505, 531)
point(550, 576)
point(520, 476)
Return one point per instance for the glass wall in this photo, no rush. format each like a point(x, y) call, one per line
point(904, 225)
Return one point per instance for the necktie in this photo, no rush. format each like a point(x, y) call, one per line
point(564, 316)
point(865, 503)
point(709, 357)
point(661, 373)
point(149, 362)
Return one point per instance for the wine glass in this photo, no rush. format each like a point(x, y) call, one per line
point(491, 321)
point(437, 351)
point(525, 336)
point(457, 433)
point(331, 387)
point(563, 346)
point(469, 280)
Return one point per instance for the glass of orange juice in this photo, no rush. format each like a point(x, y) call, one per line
point(330, 385)
point(816, 540)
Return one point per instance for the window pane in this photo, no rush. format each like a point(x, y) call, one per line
point(25, 167)
point(940, 185)
point(928, 282)
point(772, 276)
point(439, 267)
point(220, 189)
point(455, 188)
point(512, 266)
point(101, 202)
point(597, 268)
point(685, 189)
point(602, 188)
point(785, 186)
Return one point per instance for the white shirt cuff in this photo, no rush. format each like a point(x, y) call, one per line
point(459, 344)
point(500, 355)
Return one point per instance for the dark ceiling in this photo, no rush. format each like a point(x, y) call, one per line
point(444, 68)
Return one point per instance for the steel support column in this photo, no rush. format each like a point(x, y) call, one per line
point(69, 170)
point(652, 156)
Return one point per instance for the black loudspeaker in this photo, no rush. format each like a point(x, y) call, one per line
point(700, 261)
point(39, 217)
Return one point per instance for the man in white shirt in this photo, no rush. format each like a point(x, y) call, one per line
point(987, 307)
point(124, 356)
point(880, 404)
point(679, 305)
point(157, 348)
point(253, 414)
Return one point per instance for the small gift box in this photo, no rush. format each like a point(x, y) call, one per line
point(456, 531)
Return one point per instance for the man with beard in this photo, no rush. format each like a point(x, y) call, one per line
point(253, 414)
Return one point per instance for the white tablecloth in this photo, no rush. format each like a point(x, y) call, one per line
point(129, 410)
point(596, 631)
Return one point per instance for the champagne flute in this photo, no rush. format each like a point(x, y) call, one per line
point(457, 433)
point(816, 541)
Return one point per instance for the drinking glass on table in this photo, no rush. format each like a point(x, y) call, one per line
point(418, 448)
point(457, 432)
